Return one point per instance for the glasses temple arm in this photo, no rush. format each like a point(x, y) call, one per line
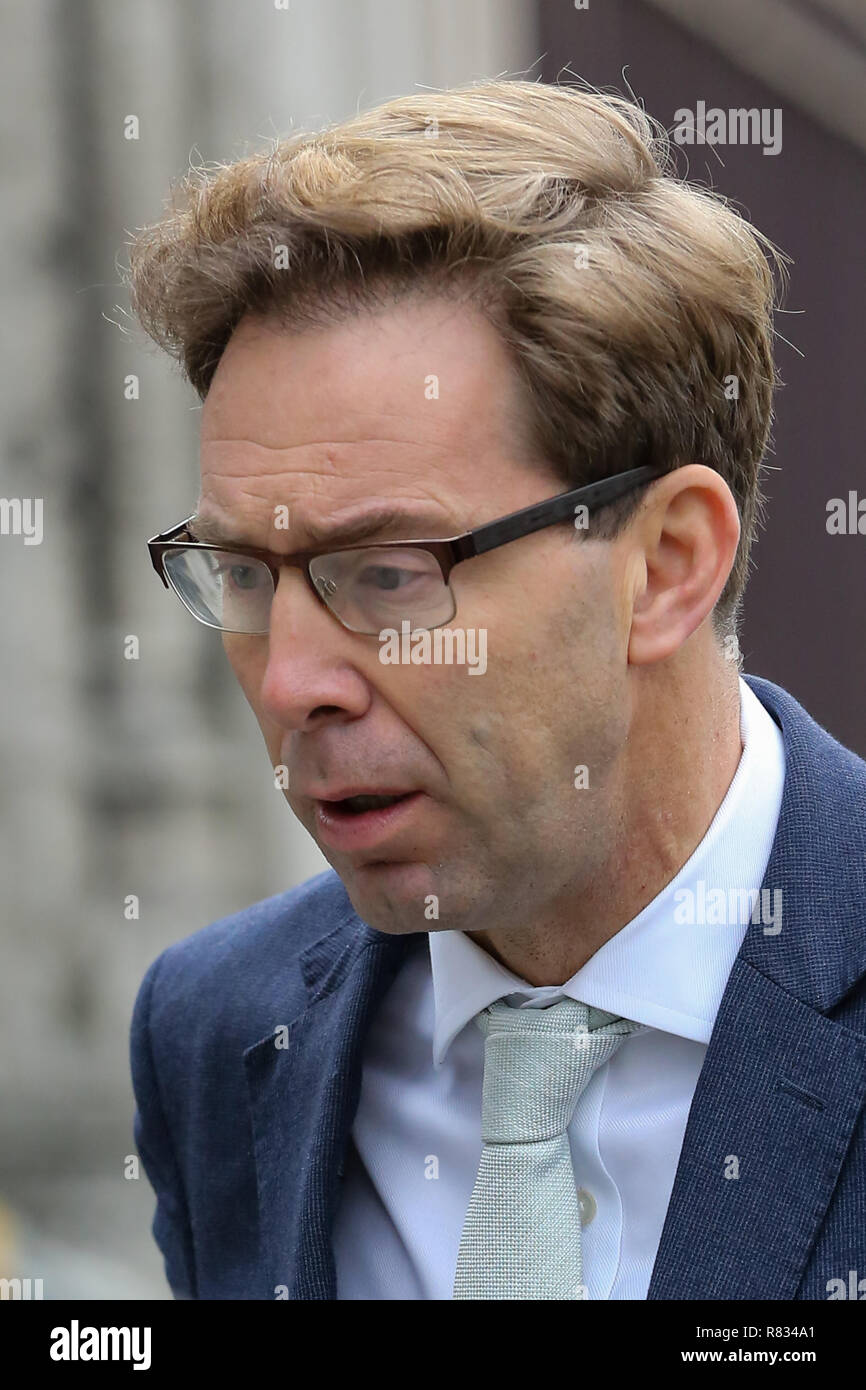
point(541, 514)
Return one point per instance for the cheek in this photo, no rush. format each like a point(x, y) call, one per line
point(554, 663)
point(248, 660)
point(450, 716)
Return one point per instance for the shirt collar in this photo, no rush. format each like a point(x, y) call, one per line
point(660, 969)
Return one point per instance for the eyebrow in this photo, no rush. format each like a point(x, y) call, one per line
point(384, 522)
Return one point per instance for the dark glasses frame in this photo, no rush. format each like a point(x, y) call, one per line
point(448, 551)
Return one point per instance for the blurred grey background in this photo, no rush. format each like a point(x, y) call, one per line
point(148, 777)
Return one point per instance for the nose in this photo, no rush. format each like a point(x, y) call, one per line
point(312, 674)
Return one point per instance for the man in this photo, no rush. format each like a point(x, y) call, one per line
point(579, 1012)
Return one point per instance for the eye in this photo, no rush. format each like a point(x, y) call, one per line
point(243, 576)
point(239, 576)
point(387, 577)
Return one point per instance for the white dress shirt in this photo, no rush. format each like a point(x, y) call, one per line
point(417, 1133)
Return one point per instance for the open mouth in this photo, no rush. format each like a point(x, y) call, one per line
point(359, 805)
point(365, 821)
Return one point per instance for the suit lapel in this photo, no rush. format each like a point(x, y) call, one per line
point(772, 1116)
point(304, 1087)
point(782, 1083)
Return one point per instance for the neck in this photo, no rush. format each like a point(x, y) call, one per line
point(676, 767)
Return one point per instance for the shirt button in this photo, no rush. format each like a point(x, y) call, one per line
point(588, 1207)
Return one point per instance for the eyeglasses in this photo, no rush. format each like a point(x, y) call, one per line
point(367, 588)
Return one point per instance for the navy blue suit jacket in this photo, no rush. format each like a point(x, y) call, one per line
point(244, 1141)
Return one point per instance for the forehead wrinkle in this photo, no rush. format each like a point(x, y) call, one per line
point(323, 444)
point(332, 461)
point(440, 430)
point(266, 492)
point(318, 498)
point(385, 519)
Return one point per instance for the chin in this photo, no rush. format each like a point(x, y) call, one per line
point(395, 896)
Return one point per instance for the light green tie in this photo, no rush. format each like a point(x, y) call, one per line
point(521, 1236)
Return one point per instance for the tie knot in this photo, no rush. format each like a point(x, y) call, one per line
point(568, 1016)
point(537, 1062)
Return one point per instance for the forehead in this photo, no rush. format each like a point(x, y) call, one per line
point(417, 406)
point(405, 396)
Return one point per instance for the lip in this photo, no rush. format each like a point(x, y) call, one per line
point(341, 830)
point(341, 793)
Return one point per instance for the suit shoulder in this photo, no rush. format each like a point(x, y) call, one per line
point(245, 963)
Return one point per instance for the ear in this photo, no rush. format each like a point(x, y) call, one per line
point(685, 540)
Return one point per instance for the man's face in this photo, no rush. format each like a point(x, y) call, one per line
point(328, 422)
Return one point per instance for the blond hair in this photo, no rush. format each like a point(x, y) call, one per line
point(637, 307)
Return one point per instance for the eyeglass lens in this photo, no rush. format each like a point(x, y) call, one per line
point(368, 590)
